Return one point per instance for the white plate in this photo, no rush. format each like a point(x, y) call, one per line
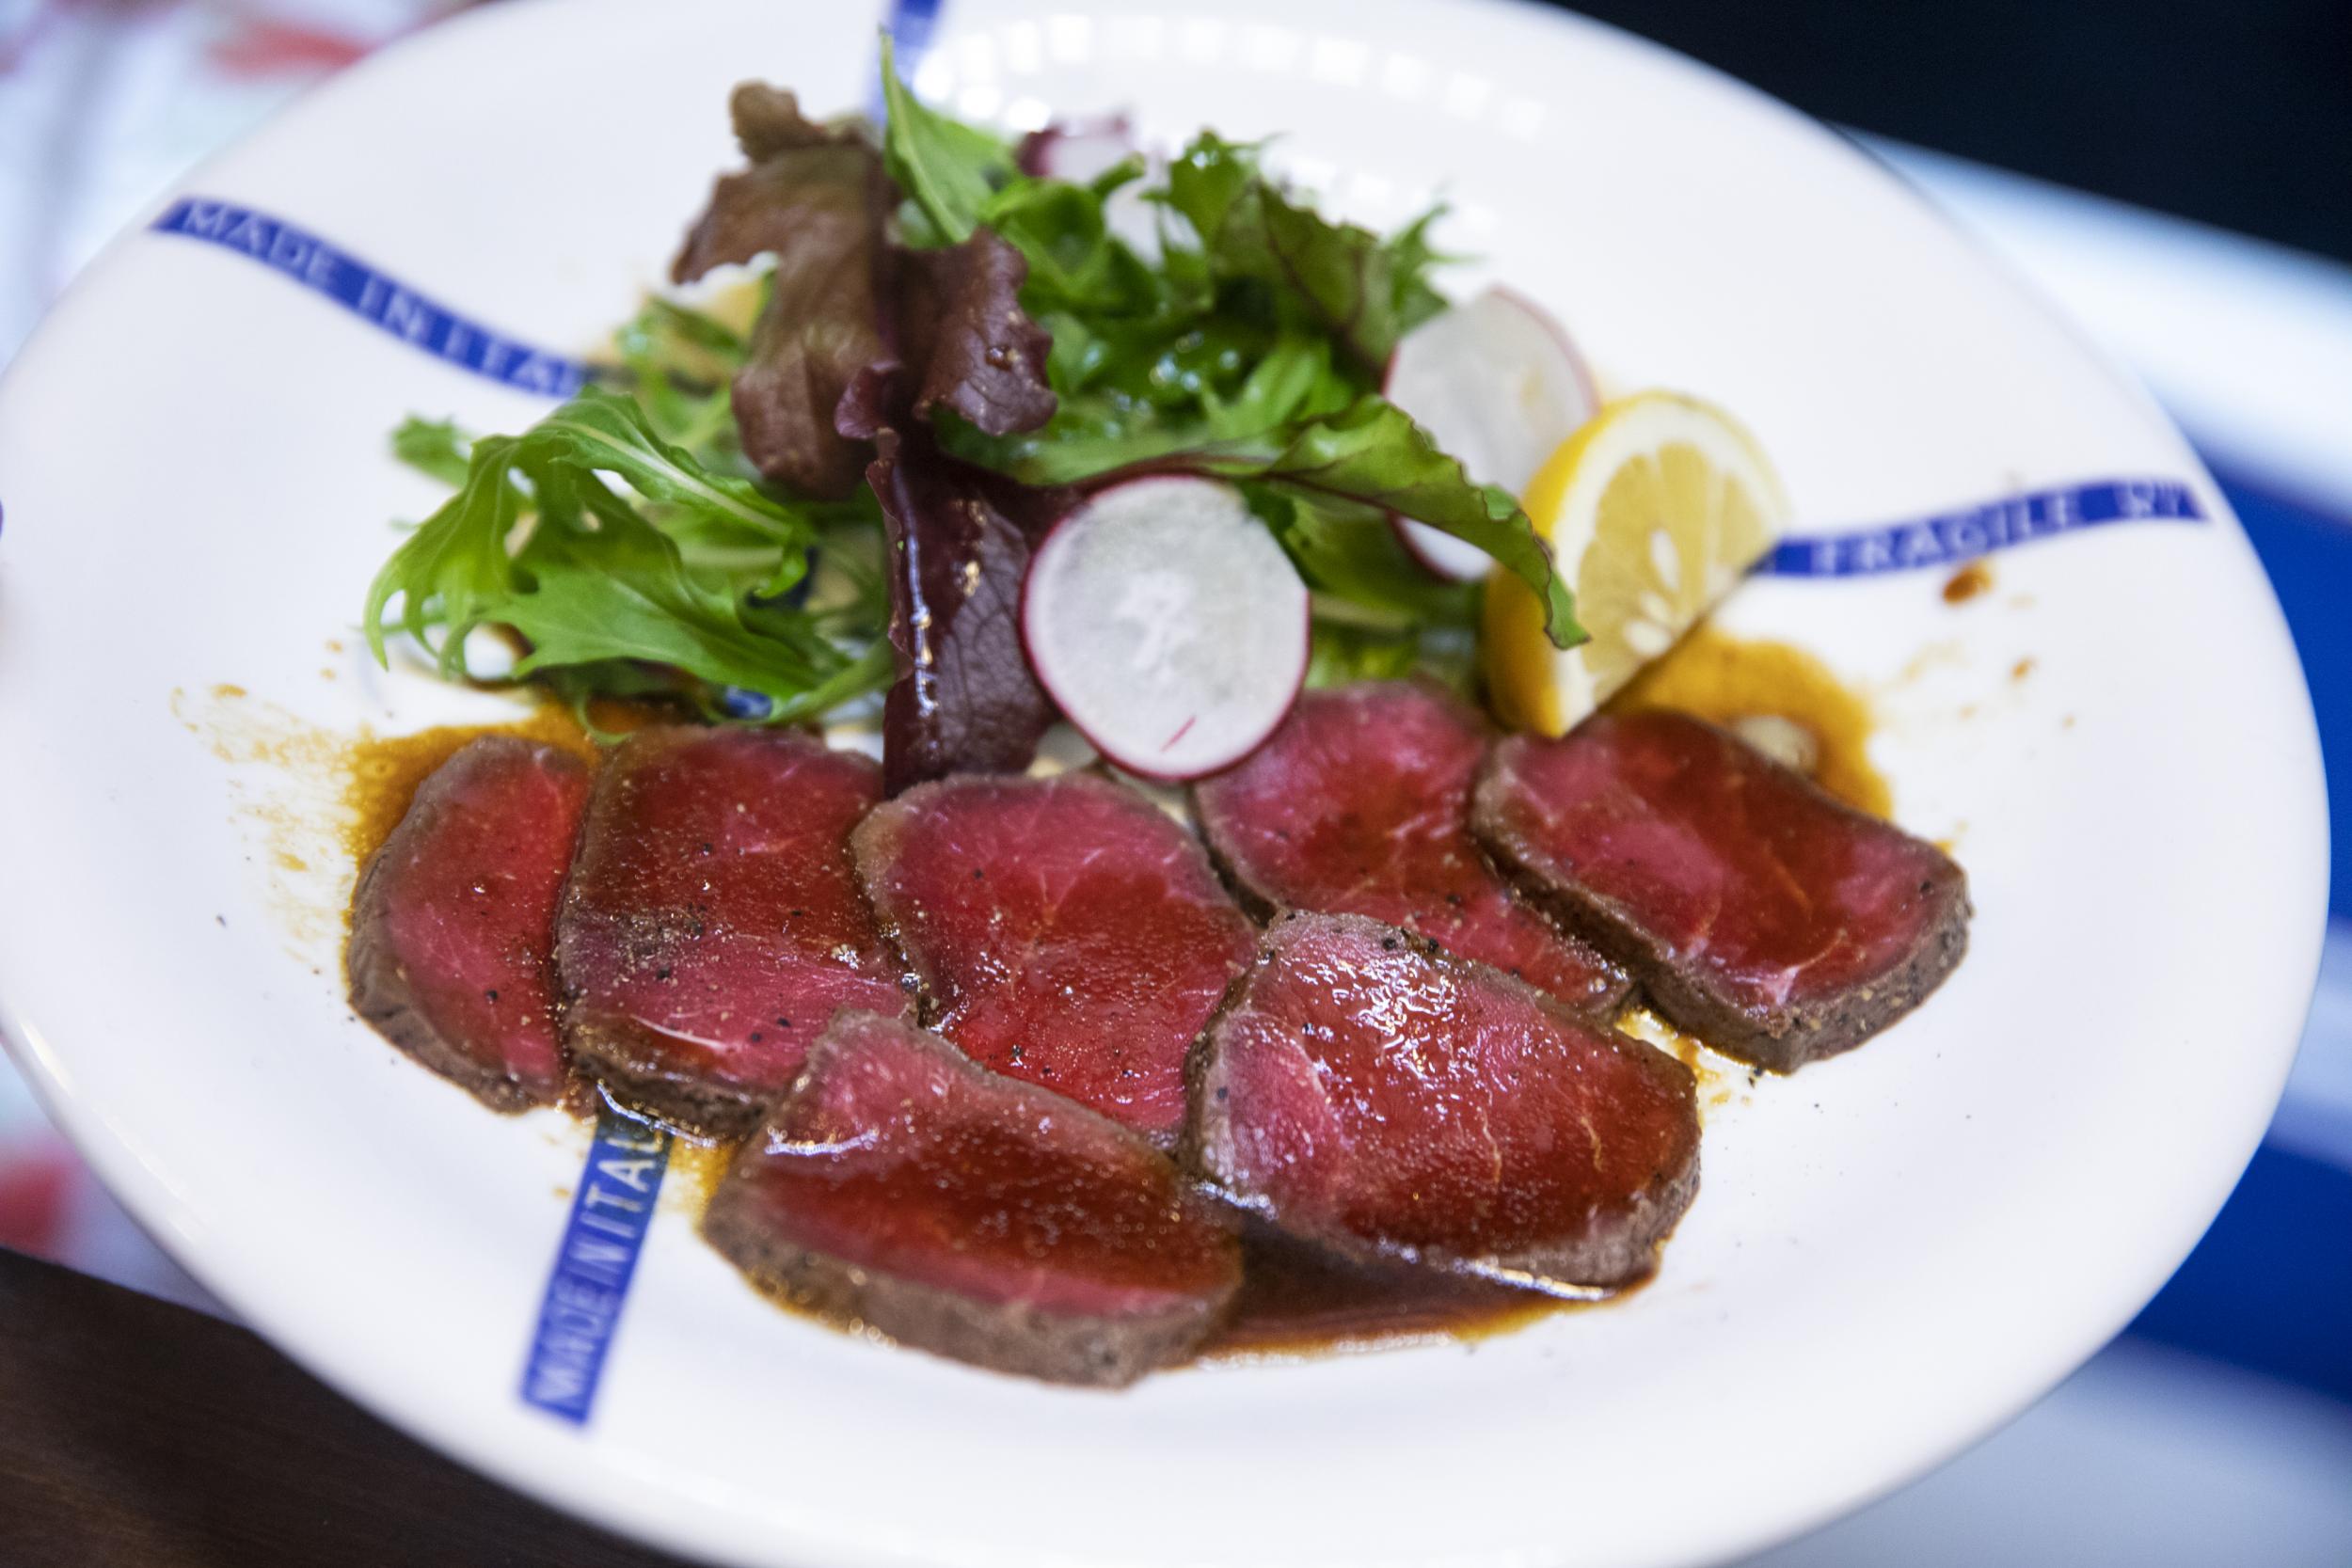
point(1890, 1253)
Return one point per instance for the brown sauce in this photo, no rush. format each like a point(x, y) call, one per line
point(381, 772)
point(1969, 581)
point(1726, 679)
point(1295, 1300)
point(1718, 1078)
point(695, 1167)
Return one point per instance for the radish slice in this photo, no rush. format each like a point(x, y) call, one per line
point(1082, 151)
point(1167, 625)
point(1078, 151)
point(1498, 383)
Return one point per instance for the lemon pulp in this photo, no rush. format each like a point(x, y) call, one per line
point(1654, 509)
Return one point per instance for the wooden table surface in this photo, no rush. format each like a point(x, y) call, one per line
point(135, 1434)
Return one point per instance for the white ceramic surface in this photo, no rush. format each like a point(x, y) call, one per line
point(1890, 1253)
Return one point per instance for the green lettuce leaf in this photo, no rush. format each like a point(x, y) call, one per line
point(1076, 266)
point(604, 430)
point(947, 169)
point(1374, 454)
point(1365, 292)
point(434, 448)
point(1368, 456)
point(1145, 401)
point(1252, 352)
point(605, 548)
point(664, 541)
point(455, 565)
point(1349, 556)
point(1341, 651)
point(680, 364)
point(670, 340)
point(623, 592)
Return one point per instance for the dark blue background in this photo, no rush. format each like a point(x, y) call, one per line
point(2271, 1286)
point(2308, 556)
point(2234, 112)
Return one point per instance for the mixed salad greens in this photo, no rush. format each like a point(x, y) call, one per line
point(774, 525)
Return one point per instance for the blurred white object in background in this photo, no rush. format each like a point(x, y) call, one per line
point(2146, 1457)
point(103, 106)
point(2247, 344)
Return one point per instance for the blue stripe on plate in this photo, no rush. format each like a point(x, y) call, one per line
point(910, 24)
point(1949, 538)
point(377, 298)
point(611, 1210)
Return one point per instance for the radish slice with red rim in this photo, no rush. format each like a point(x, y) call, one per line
point(1498, 384)
point(1166, 623)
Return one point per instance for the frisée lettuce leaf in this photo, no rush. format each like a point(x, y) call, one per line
point(1365, 292)
point(573, 537)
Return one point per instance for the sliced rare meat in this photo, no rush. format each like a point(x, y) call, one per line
point(1759, 913)
point(1360, 804)
point(903, 1185)
point(1365, 1090)
point(452, 927)
point(714, 924)
point(1064, 930)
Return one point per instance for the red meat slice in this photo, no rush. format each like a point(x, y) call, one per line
point(1367, 1091)
point(1064, 930)
point(1360, 804)
point(903, 1185)
point(1759, 912)
point(452, 926)
point(714, 924)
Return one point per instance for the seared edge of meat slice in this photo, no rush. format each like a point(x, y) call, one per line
point(1782, 1039)
point(1777, 1038)
point(383, 990)
point(1024, 1337)
point(641, 1078)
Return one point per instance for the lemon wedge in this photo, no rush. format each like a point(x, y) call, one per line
point(1653, 510)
